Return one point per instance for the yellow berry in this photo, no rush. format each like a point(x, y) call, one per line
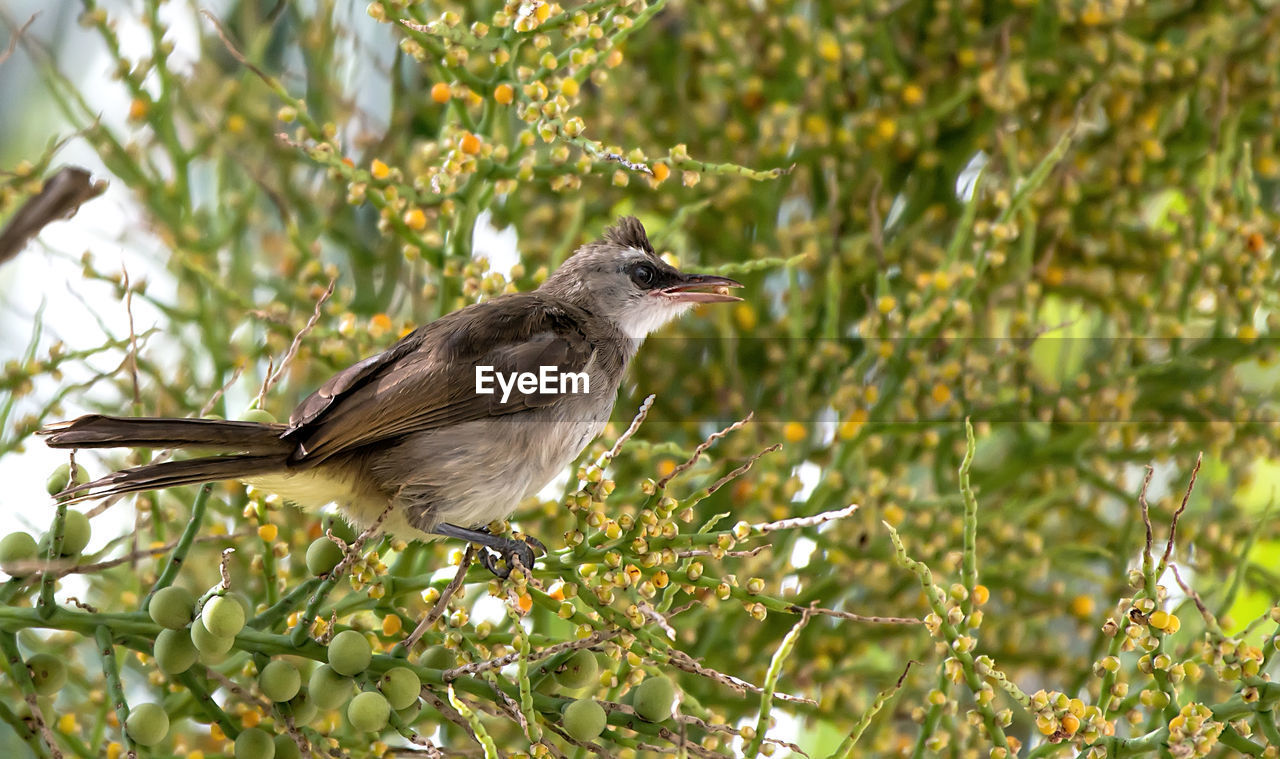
point(504, 94)
point(661, 171)
point(391, 625)
point(440, 92)
point(469, 143)
point(415, 219)
point(379, 170)
point(268, 532)
point(981, 594)
point(138, 109)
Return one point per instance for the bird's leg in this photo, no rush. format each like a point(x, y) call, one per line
point(505, 548)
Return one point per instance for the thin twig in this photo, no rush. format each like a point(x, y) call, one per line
point(273, 378)
point(13, 40)
point(741, 470)
point(681, 660)
point(856, 617)
point(635, 425)
point(702, 448)
point(475, 668)
point(442, 603)
point(1173, 524)
point(810, 521)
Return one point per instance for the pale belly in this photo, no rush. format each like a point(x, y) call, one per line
point(469, 475)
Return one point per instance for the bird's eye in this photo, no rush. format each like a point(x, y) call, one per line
point(643, 275)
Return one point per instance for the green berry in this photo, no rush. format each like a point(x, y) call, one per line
point(401, 686)
point(147, 724)
point(439, 657)
point(322, 556)
point(15, 549)
point(654, 698)
point(286, 748)
point(258, 415)
point(75, 533)
point(174, 651)
point(206, 642)
point(302, 708)
point(223, 616)
point(173, 607)
point(368, 711)
point(579, 671)
point(279, 680)
point(254, 743)
point(409, 715)
point(584, 719)
point(61, 478)
point(48, 673)
point(327, 688)
point(339, 527)
point(349, 653)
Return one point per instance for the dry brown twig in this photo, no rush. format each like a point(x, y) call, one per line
point(442, 602)
point(680, 660)
point(486, 665)
point(702, 448)
point(274, 377)
point(13, 39)
point(1177, 514)
point(635, 425)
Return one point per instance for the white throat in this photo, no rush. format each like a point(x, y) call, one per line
point(650, 315)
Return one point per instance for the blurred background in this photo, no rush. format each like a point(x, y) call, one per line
point(1057, 220)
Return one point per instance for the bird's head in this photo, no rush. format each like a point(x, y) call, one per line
point(621, 278)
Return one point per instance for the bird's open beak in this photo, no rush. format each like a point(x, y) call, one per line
point(701, 288)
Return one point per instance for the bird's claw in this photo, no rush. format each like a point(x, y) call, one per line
point(513, 550)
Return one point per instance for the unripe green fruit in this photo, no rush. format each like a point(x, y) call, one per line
point(174, 651)
point(584, 720)
point(48, 673)
point(401, 686)
point(368, 711)
point(61, 478)
point(302, 708)
point(327, 688)
point(223, 616)
point(286, 748)
point(258, 415)
point(254, 743)
point(173, 607)
point(410, 714)
point(208, 643)
point(349, 653)
point(579, 671)
point(279, 680)
point(438, 657)
point(322, 556)
point(147, 724)
point(16, 548)
point(339, 527)
point(654, 698)
point(75, 533)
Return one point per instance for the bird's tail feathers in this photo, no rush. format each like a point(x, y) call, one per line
point(170, 474)
point(99, 431)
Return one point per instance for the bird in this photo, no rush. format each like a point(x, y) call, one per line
point(406, 441)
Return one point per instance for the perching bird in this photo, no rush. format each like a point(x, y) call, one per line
point(408, 433)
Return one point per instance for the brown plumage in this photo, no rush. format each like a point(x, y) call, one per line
point(405, 434)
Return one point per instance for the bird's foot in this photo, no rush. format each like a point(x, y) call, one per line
point(513, 551)
point(509, 551)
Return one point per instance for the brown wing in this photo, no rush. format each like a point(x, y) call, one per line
point(428, 379)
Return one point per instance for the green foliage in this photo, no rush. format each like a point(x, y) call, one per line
point(1097, 293)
